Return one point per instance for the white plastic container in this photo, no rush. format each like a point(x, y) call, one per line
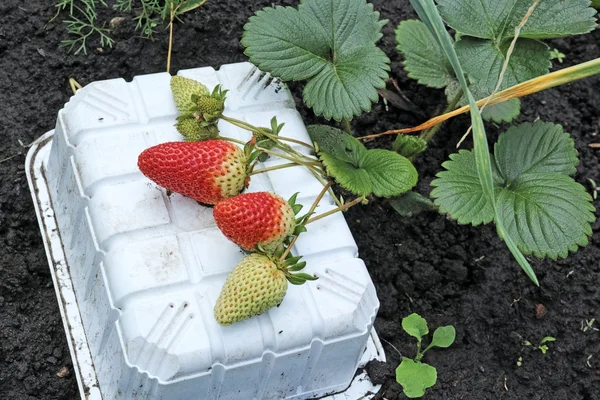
point(138, 272)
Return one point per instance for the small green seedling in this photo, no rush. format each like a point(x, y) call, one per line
point(588, 325)
point(414, 375)
point(555, 54)
point(543, 347)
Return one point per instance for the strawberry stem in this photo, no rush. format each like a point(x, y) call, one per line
point(264, 132)
point(289, 248)
point(310, 212)
point(335, 210)
point(307, 164)
point(276, 167)
point(240, 124)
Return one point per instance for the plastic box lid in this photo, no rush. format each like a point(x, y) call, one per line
point(147, 267)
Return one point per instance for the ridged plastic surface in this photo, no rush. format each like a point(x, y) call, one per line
point(147, 267)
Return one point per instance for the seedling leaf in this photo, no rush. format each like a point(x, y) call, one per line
point(415, 326)
point(443, 337)
point(415, 377)
point(543, 210)
point(548, 339)
point(331, 44)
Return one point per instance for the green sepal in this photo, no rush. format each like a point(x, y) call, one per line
point(294, 280)
point(290, 261)
point(297, 267)
point(253, 156)
point(305, 276)
point(300, 228)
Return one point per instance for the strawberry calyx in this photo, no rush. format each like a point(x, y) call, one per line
point(291, 266)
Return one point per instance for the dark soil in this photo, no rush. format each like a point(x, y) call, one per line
point(449, 274)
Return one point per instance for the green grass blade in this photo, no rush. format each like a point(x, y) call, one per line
point(429, 15)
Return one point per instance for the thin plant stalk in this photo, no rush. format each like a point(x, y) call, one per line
point(541, 83)
point(430, 133)
point(277, 167)
point(344, 207)
point(312, 210)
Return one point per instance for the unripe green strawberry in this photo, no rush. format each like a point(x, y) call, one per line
point(183, 89)
point(208, 171)
point(253, 287)
point(193, 131)
point(252, 219)
point(210, 107)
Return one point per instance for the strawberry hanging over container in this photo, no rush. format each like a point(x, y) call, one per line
point(258, 283)
point(207, 172)
point(260, 219)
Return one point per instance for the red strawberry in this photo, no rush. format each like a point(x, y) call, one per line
point(207, 171)
point(252, 219)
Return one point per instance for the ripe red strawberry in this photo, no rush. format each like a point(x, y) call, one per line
point(252, 219)
point(208, 171)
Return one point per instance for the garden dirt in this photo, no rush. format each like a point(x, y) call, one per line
point(450, 274)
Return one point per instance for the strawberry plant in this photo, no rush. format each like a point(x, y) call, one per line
point(525, 187)
point(207, 171)
point(414, 375)
point(485, 31)
point(543, 209)
point(214, 170)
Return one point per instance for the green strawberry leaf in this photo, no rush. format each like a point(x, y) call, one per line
point(502, 112)
point(415, 377)
point(361, 171)
point(390, 173)
point(409, 146)
point(327, 42)
point(542, 208)
point(547, 214)
point(497, 19)
point(426, 62)
point(533, 148)
point(458, 193)
point(443, 337)
point(415, 326)
point(424, 59)
point(483, 60)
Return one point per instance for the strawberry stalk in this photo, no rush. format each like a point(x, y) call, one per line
point(277, 167)
point(301, 221)
point(344, 207)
